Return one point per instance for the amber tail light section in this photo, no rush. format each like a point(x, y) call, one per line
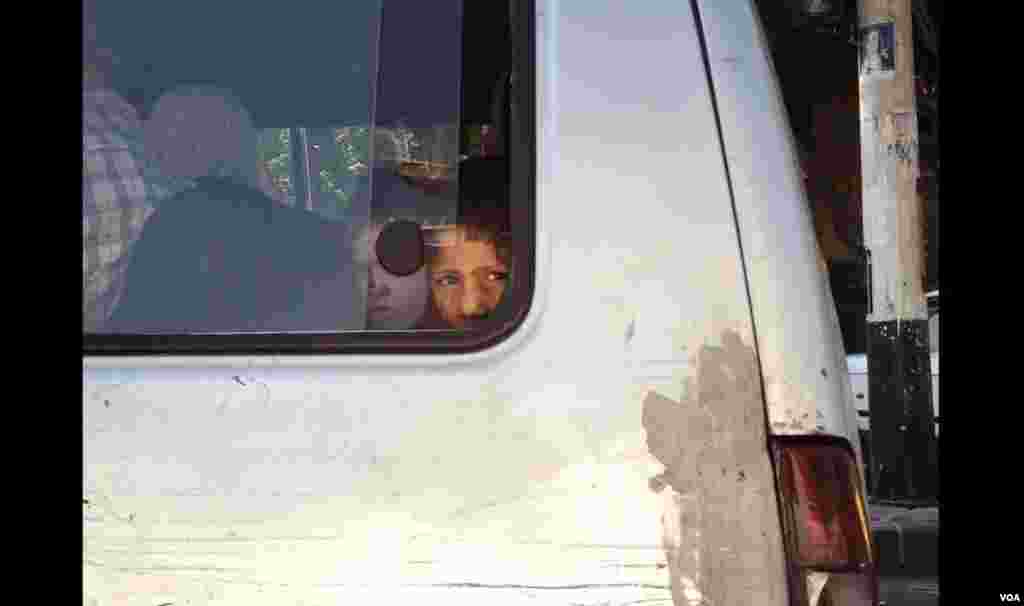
point(825, 522)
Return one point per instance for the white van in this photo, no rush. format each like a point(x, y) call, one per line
point(653, 409)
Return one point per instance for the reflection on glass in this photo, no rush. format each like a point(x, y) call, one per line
point(275, 154)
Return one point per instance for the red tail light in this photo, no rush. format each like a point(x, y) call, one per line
point(826, 527)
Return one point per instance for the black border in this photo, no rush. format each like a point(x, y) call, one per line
point(522, 153)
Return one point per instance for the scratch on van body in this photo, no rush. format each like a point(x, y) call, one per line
point(733, 63)
point(242, 384)
point(719, 481)
point(100, 508)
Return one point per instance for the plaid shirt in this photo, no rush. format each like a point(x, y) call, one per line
point(120, 190)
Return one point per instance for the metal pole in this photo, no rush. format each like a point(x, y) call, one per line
point(903, 451)
point(300, 168)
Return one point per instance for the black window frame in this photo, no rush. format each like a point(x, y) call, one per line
point(522, 170)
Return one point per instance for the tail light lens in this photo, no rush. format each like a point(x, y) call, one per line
point(825, 522)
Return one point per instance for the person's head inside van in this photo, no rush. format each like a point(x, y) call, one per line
point(469, 272)
point(201, 130)
point(393, 302)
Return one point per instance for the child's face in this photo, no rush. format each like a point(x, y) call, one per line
point(467, 279)
point(392, 302)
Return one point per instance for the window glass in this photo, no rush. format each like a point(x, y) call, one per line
point(320, 167)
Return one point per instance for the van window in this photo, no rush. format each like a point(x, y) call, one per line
point(320, 176)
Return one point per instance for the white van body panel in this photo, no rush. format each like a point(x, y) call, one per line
point(800, 344)
point(612, 450)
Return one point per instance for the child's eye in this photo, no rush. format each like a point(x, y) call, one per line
point(446, 280)
point(498, 276)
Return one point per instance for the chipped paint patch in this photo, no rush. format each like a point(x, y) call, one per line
point(797, 411)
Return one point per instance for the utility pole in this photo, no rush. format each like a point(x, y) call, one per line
point(903, 452)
